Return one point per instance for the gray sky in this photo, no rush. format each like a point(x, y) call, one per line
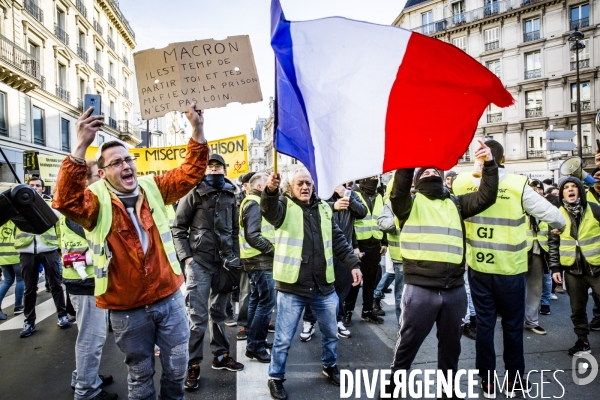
point(157, 23)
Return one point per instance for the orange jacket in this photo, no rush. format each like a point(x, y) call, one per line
point(135, 279)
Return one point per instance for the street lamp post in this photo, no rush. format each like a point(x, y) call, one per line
point(576, 37)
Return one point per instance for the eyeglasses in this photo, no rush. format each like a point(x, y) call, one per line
point(215, 167)
point(119, 162)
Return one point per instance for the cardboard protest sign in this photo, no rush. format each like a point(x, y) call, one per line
point(49, 166)
point(158, 160)
point(211, 73)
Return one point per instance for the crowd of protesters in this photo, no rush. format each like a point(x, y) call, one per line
point(458, 250)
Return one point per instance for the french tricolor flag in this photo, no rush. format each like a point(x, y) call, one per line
point(357, 99)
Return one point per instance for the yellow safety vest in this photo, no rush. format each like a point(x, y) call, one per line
point(367, 227)
point(590, 197)
point(24, 239)
point(267, 231)
point(497, 237)
point(97, 237)
point(394, 243)
point(433, 232)
point(8, 253)
point(289, 238)
point(171, 214)
point(587, 239)
point(71, 242)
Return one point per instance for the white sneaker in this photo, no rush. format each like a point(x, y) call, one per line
point(308, 329)
point(343, 331)
point(553, 297)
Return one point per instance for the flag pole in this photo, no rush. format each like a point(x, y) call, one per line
point(275, 121)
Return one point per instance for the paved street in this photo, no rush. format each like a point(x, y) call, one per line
point(40, 366)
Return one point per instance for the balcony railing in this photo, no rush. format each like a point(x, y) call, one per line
point(466, 158)
point(491, 118)
point(125, 126)
point(582, 64)
point(492, 45)
point(82, 53)
point(533, 112)
point(111, 42)
point(529, 36)
point(125, 93)
point(126, 61)
point(586, 105)
point(112, 123)
point(80, 104)
point(536, 153)
point(61, 34)
point(534, 73)
point(99, 68)
point(81, 7)
point(475, 15)
point(111, 80)
point(580, 23)
point(587, 150)
point(34, 10)
point(19, 58)
point(115, 5)
point(43, 80)
point(63, 94)
point(98, 27)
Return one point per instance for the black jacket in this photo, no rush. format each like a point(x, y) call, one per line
point(79, 286)
point(371, 243)
point(581, 266)
point(313, 267)
point(442, 274)
point(252, 224)
point(345, 218)
point(206, 225)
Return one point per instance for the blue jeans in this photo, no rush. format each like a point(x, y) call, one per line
point(12, 272)
point(163, 323)
point(471, 307)
point(260, 306)
point(386, 280)
point(398, 289)
point(289, 311)
point(91, 322)
point(546, 289)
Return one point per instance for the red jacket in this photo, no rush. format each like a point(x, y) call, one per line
point(134, 279)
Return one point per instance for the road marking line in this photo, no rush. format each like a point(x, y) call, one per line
point(42, 311)
point(10, 300)
point(252, 380)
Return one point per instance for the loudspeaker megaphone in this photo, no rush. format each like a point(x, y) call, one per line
point(573, 167)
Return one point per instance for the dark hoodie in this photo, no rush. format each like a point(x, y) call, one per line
point(581, 266)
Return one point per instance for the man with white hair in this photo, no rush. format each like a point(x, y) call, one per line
point(306, 240)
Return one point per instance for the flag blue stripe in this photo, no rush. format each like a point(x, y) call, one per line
point(293, 131)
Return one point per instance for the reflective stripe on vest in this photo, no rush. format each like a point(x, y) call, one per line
point(101, 253)
point(432, 232)
point(394, 243)
point(497, 237)
point(267, 230)
point(8, 253)
point(367, 227)
point(590, 197)
point(289, 238)
point(24, 239)
point(589, 231)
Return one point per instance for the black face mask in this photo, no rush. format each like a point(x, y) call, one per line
point(431, 187)
point(369, 186)
point(215, 180)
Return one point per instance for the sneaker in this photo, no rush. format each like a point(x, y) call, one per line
point(242, 334)
point(517, 389)
point(544, 310)
point(261, 356)
point(536, 329)
point(63, 321)
point(343, 331)
point(230, 321)
point(595, 324)
point(369, 316)
point(553, 297)
point(271, 327)
point(377, 308)
point(72, 319)
point(333, 373)
point(106, 380)
point(192, 380)
point(347, 320)
point(28, 330)
point(227, 363)
point(387, 290)
point(19, 310)
point(268, 345)
point(105, 396)
point(488, 390)
point(581, 347)
point(308, 329)
point(470, 331)
point(276, 389)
